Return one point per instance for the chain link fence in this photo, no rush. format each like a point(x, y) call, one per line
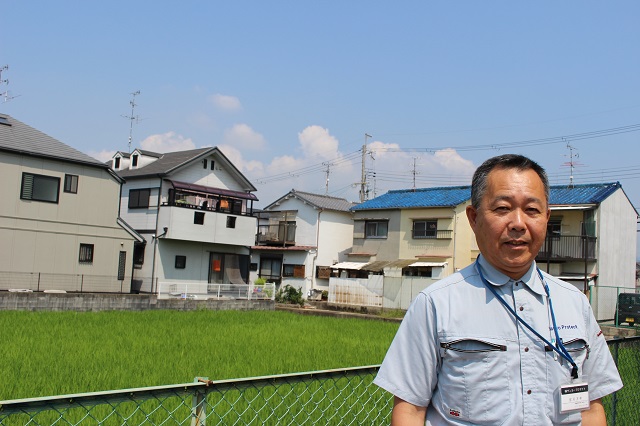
point(623, 407)
point(339, 397)
point(336, 397)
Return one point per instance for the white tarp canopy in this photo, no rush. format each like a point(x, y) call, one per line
point(349, 265)
point(434, 264)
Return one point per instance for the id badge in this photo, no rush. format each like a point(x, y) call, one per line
point(574, 396)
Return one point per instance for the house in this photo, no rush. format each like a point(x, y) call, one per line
point(300, 235)
point(195, 210)
point(414, 237)
point(59, 219)
point(403, 241)
point(591, 242)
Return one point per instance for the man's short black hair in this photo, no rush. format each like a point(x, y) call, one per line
point(506, 161)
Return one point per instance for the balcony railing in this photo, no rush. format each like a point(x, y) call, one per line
point(567, 247)
point(281, 234)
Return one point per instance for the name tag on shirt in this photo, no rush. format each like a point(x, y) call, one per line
point(574, 397)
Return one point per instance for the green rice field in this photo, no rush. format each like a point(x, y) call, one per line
point(54, 353)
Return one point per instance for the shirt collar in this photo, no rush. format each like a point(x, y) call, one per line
point(531, 278)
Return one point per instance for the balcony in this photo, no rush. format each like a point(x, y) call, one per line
point(562, 248)
point(206, 225)
point(283, 234)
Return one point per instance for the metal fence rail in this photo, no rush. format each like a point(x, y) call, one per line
point(336, 397)
point(340, 397)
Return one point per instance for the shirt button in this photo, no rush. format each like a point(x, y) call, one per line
point(517, 283)
point(521, 308)
point(529, 392)
point(526, 349)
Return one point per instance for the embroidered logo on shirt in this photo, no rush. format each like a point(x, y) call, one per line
point(453, 412)
point(599, 333)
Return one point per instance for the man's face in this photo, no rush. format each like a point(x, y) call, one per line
point(511, 222)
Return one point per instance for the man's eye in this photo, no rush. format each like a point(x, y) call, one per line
point(502, 209)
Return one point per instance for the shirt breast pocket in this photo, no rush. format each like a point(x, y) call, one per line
point(474, 382)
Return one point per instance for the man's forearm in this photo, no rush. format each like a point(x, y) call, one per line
point(595, 415)
point(407, 414)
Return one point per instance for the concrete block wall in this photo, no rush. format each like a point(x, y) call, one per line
point(94, 302)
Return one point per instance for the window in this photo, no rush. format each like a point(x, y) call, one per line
point(71, 184)
point(554, 228)
point(198, 218)
point(270, 268)
point(231, 221)
point(134, 160)
point(139, 198)
point(40, 188)
point(323, 272)
point(376, 228)
point(425, 228)
point(138, 254)
point(86, 253)
point(294, 271)
point(116, 163)
point(204, 163)
point(181, 262)
point(228, 268)
point(212, 164)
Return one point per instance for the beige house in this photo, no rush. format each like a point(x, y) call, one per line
point(414, 237)
point(59, 222)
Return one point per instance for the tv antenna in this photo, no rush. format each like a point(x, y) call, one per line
point(571, 163)
point(6, 95)
point(132, 117)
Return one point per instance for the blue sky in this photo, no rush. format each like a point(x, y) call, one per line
point(288, 89)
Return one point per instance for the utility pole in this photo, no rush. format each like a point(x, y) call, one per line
point(326, 184)
point(414, 173)
point(363, 176)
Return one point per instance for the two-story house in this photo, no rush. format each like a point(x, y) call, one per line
point(59, 221)
point(591, 241)
point(300, 235)
point(195, 209)
point(410, 237)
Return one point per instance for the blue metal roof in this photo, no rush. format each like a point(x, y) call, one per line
point(591, 193)
point(450, 196)
point(424, 197)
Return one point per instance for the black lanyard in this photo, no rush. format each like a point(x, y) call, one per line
point(558, 347)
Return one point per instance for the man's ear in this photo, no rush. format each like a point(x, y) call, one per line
point(472, 214)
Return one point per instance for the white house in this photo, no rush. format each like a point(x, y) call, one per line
point(195, 210)
point(300, 235)
point(59, 222)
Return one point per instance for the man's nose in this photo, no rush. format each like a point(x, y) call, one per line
point(517, 220)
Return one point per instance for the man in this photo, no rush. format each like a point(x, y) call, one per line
point(500, 342)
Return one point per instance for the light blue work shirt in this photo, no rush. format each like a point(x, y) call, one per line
point(461, 354)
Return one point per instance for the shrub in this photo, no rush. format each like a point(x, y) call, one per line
point(288, 294)
point(260, 281)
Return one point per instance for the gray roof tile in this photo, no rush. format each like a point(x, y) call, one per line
point(18, 137)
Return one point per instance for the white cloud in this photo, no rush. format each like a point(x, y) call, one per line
point(316, 142)
point(235, 156)
point(244, 137)
point(103, 155)
point(167, 142)
point(225, 102)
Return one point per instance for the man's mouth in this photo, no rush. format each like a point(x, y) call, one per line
point(516, 243)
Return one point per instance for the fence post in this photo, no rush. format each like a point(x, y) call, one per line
point(614, 397)
point(199, 405)
point(81, 282)
point(38, 281)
